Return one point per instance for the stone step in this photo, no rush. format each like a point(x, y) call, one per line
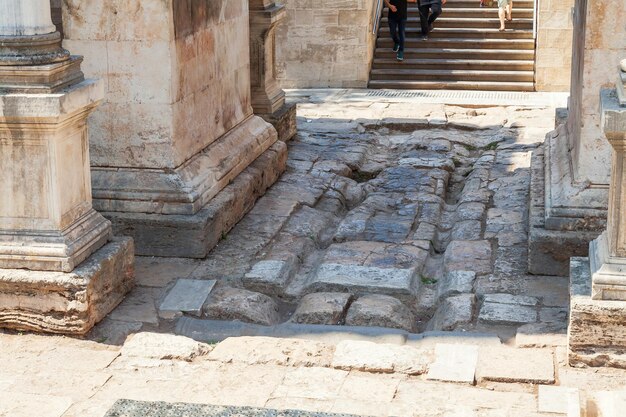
point(452, 53)
point(451, 85)
point(475, 4)
point(469, 22)
point(454, 64)
point(459, 43)
point(451, 75)
point(463, 32)
point(474, 12)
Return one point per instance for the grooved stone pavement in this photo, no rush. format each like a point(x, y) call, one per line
point(404, 216)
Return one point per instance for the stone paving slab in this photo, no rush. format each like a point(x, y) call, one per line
point(374, 357)
point(454, 363)
point(534, 366)
point(559, 400)
point(187, 296)
point(363, 279)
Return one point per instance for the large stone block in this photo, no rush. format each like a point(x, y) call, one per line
point(597, 328)
point(67, 303)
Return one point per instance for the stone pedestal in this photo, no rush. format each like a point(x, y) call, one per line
point(597, 333)
point(58, 273)
point(576, 155)
point(177, 125)
point(268, 99)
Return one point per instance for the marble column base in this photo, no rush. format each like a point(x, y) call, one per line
point(597, 328)
point(193, 236)
point(564, 215)
point(67, 303)
point(284, 121)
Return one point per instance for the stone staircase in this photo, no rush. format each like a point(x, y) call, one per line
point(465, 51)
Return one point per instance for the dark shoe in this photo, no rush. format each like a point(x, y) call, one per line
point(424, 37)
point(396, 47)
point(430, 28)
point(400, 56)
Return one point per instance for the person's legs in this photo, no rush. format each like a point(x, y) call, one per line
point(401, 28)
point(510, 11)
point(393, 30)
point(401, 33)
point(424, 12)
point(501, 15)
point(435, 11)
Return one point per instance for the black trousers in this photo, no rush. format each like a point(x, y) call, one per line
point(397, 29)
point(428, 14)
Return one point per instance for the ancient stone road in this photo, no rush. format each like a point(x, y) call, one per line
point(391, 215)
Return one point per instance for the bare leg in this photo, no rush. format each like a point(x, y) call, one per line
point(501, 15)
point(510, 10)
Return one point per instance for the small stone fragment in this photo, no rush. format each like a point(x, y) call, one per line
point(322, 308)
point(380, 311)
point(227, 303)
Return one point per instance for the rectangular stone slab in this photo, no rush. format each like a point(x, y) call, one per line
point(364, 279)
point(187, 296)
point(454, 363)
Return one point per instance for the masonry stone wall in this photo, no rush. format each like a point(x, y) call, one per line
point(554, 45)
point(325, 43)
point(177, 75)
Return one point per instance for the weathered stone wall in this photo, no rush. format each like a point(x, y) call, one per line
point(177, 75)
point(325, 43)
point(599, 44)
point(554, 45)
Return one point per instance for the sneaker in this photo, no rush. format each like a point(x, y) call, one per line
point(396, 47)
point(424, 37)
point(430, 28)
point(400, 56)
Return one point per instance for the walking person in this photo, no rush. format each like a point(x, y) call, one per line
point(397, 24)
point(505, 12)
point(429, 12)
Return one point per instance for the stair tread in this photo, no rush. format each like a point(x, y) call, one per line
point(454, 61)
point(469, 41)
point(444, 50)
point(445, 71)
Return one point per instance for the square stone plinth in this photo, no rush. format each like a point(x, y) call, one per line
point(68, 303)
point(597, 328)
